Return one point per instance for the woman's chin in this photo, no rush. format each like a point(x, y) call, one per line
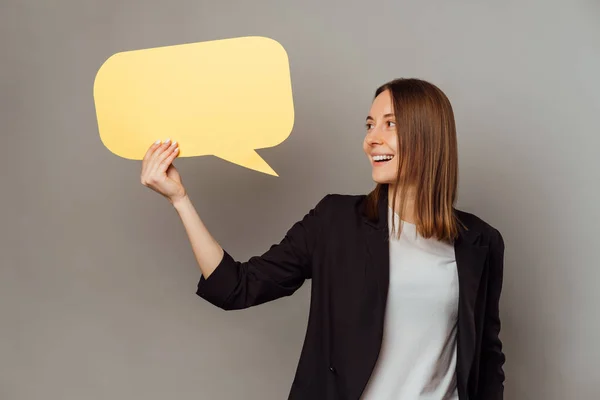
point(377, 178)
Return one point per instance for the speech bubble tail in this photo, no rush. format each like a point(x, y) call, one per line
point(249, 159)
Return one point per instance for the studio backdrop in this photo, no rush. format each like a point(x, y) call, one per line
point(97, 277)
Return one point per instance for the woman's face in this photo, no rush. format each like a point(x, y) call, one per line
point(381, 141)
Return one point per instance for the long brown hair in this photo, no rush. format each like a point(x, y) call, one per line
point(427, 157)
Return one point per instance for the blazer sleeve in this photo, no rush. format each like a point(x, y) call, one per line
point(491, 375)
point(279, 272)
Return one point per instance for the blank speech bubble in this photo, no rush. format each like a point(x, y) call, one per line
point(225, 98)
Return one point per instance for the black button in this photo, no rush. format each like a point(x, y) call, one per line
point(332, 369)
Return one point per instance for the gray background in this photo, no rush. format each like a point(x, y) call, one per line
point(97, 279)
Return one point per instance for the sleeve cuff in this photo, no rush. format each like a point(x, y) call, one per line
point(221, 283)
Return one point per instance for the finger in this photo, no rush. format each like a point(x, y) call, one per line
point(164, 165)
point(158, 160)
point(148, 154)
point(151, 149)
point(161, 148)
point(156, 154)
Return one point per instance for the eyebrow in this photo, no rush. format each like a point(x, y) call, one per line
point(385, 116)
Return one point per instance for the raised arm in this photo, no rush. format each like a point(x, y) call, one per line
point(160, 175)
point(225, 282)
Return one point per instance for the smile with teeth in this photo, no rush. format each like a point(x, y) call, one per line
point(380, 158)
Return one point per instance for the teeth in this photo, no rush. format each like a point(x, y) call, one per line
point(382, 158)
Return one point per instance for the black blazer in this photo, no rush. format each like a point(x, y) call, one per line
point(347, 257)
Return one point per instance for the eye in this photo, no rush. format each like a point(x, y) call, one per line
point(391, 124)
point(368, 125)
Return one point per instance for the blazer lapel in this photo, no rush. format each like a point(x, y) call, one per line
point(377, 241)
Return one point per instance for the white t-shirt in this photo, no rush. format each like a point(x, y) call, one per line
point(418, 354)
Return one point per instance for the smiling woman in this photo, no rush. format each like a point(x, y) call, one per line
point(413, 316)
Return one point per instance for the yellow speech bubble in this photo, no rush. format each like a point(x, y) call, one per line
point(225, 98)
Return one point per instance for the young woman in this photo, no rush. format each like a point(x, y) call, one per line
point(405, 287)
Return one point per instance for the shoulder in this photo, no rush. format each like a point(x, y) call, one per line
point(339, 211)
point(336, 203)
point(477, 224)
point(343, 199)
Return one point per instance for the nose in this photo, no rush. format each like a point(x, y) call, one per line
point(374, 137)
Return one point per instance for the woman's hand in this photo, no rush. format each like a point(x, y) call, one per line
point(158, 172)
